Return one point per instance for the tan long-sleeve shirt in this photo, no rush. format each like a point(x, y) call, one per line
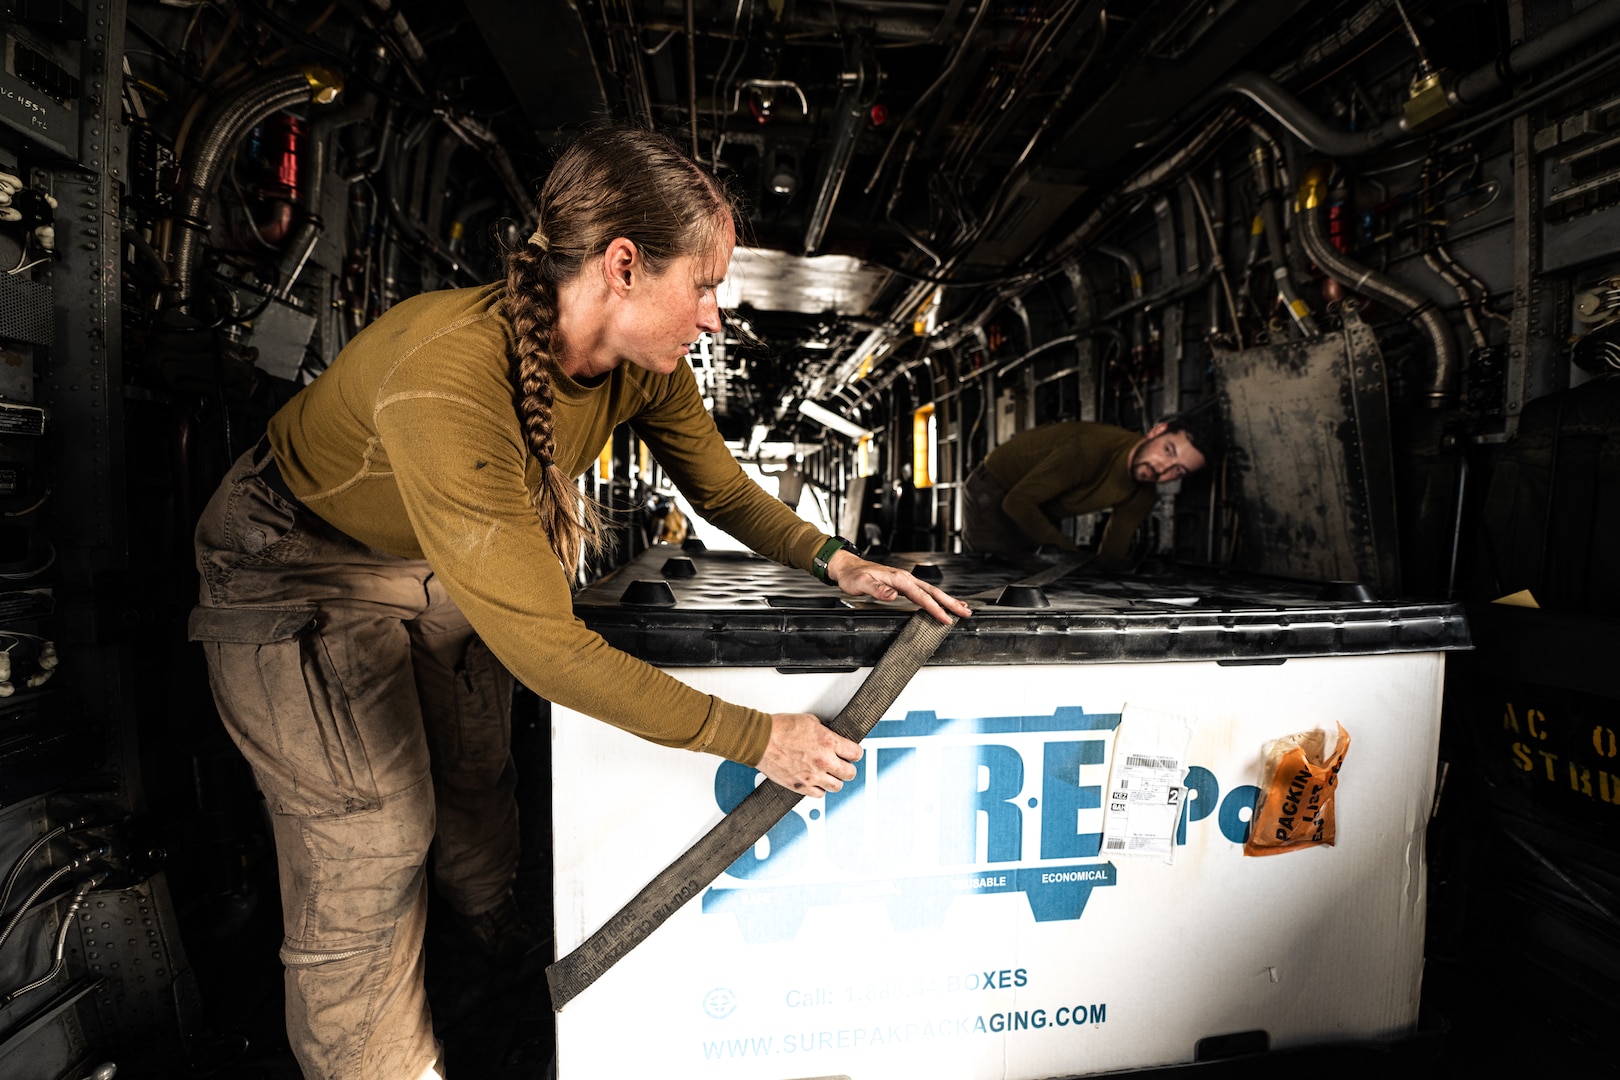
point(410, 443)
point(1062, 470)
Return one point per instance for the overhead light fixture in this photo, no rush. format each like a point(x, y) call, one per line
point(784, 178)
point(924, 447)
point(832, 421)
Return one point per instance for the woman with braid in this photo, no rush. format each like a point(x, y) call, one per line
point(404, 537)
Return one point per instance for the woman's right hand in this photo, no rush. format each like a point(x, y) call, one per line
point(807, 756)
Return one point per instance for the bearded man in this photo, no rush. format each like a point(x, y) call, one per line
point(1017, 498)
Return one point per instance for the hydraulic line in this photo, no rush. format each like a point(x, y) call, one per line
point(1464, 296)
point(1217, 262)
point(74, 906)
point(16, 867)
point(33, 849)
point(1271, 217)
point(1442, 388)
point(51, 879)
point(1579, 29)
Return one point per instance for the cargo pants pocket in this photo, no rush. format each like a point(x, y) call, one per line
point(283, 702)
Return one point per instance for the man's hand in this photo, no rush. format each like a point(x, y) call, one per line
point(858, 577)
point(807, 756)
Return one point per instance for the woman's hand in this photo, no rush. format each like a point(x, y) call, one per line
point(857, 577)
point(807, 756)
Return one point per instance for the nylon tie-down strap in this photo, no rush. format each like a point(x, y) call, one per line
point(767, 804)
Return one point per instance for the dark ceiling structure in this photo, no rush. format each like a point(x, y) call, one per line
point(925, 143)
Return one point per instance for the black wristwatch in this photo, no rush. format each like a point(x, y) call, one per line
point(818, 565)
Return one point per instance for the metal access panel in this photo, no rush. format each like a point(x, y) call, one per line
point(1312, 468)
point(40, 83)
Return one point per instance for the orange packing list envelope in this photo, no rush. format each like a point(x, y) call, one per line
point(1295, 807)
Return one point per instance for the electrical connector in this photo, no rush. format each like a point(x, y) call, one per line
point(1428, 101)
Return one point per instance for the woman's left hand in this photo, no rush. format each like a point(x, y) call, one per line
point(858, 577)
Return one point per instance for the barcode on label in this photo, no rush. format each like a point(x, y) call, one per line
point(1115, 843)
point(1151, 762)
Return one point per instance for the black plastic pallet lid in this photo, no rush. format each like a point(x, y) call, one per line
point(698, 608)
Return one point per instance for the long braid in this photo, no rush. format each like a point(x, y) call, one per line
point(572, 521)
point(610, 182)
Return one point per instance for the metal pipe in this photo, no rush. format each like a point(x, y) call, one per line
point(1578, 29)
point(1442, 388)
point(846, 131)
point(1145, 180)
point(769, 84)
point(1300, 121)
point(691, 74)
point(1464, 297)
point(480, 137)
point(1132, 268)
point(1271, 218)
point(1310, 129)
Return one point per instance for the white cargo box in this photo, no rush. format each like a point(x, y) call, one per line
point(955, 912)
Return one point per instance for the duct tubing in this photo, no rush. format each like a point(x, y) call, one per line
point(1442, 389)
point(1302, 123)
point(223, 127)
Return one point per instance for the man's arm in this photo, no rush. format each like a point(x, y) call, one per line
point(1122, 525)
point(1048, 480)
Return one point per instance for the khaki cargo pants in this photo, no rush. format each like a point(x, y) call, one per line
point(986, 528)
point(377, 724)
